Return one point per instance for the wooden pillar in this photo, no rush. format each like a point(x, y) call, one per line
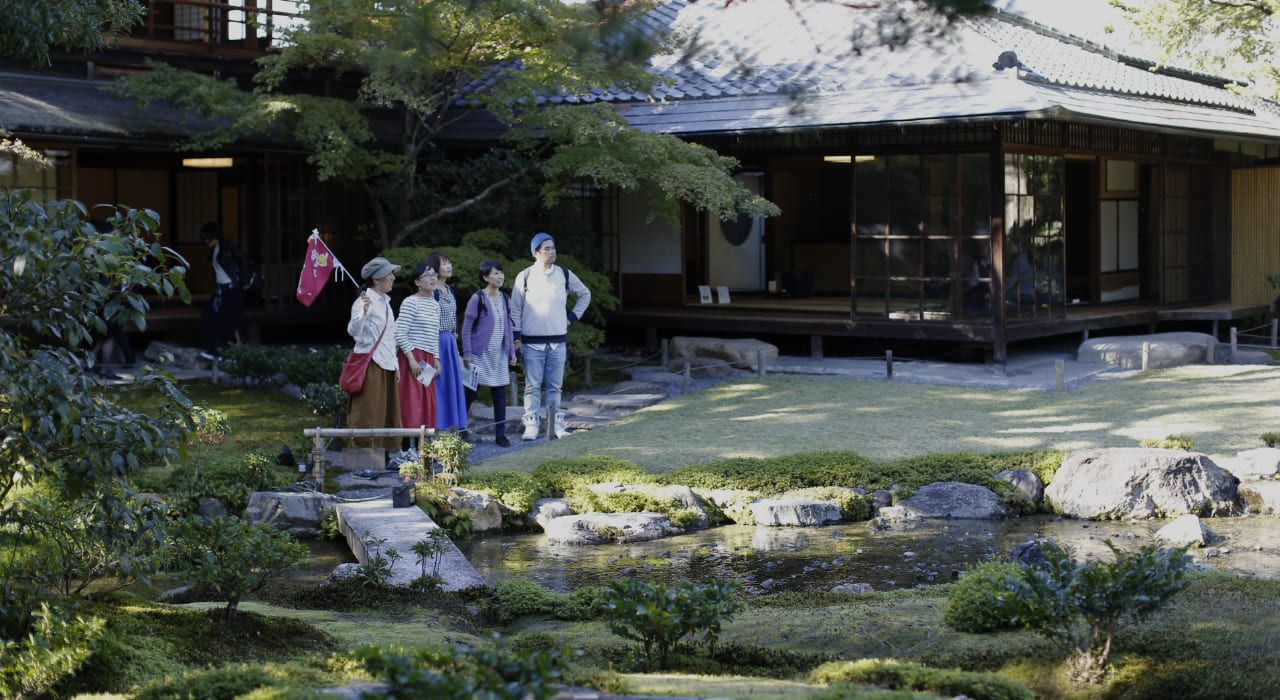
point(815, 348)
point(999, 349)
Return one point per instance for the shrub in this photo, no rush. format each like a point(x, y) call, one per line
point(463, 673)
point(974, 606)
point(229, 482)
point(232, 558)
point(1170, 442)
point(325, 398)
point(76, 544)
point(1079, 607)
point(451, 451)
point(515, 490)
point(51, 646)
point(893, 674)
point(254, 364)
point(1271, 439)
point(516, 598)
point(303, 366)
point(490, 240)
point(561, 475)
point(238, 681)
point(212, 426)
point(429, 552)
point(660, 616)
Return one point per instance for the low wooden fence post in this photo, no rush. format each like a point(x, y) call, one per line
point(888, 364)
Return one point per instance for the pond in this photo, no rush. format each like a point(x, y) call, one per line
point(816, 559)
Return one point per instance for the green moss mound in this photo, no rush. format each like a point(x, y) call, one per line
point(516, 490)
point(561, 475)
point(146, 641)
point(888, 673)
point(972, 605)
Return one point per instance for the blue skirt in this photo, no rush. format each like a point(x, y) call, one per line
point(451, 402)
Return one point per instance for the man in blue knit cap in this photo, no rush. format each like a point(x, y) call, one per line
point(540, 316)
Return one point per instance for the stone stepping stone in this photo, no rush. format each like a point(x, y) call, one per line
point(794, 512)
point(620, 400)
point(402, 528)
point(635, 387)
point(609, 528)
point(575, 422)
point(657, 375)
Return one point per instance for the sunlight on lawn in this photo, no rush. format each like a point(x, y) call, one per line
point(1053, 429)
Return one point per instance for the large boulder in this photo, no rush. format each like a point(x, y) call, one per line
point(673, 492)
point(1185, 531)
point(299, 514)
point(1166, 350)
point(1025, 481)
point(484, 510)
point(795, 512)
point(740, 351)
point(547, 509)
point(607, 528)
point(1140, 483)
point(954, 499)
point(1260, 463)
point(1262, 497)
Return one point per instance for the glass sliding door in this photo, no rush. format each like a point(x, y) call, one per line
point(1035, 237)
point(922, 247)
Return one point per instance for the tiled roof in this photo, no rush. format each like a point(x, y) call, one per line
point(753, 59)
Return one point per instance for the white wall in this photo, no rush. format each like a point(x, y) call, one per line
point(646, 247)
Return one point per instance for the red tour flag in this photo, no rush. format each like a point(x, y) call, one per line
point(317, 267)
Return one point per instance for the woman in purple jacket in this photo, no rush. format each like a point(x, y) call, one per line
point(488, 346)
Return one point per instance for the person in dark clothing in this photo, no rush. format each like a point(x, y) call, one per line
point(220, 321)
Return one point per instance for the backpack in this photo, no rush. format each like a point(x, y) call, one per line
point(482, 308)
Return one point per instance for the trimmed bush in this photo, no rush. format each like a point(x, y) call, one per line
point(463, 673)
point(516, 598)
point(254, 364)
point(973, 605)
point(1271, 439)
point(660, 616)
point(561, 475)
point(303, 366)
point(888, 673)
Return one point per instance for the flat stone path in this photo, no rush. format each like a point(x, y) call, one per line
point(619, 400)
point(402, 528)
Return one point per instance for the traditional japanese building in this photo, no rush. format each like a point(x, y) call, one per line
point(1000, 182)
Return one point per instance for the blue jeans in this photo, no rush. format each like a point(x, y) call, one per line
point(542, 365)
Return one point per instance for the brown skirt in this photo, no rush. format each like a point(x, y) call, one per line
point(376, 406)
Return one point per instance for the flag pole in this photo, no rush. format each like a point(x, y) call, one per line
point(338, 268)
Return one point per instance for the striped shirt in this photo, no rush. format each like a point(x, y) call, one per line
point(448, 309)
point(418, 327)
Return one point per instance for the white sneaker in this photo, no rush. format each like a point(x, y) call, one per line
point(530, 421)
point(560, 429)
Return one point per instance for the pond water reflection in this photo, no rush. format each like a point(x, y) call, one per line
point(809, 559)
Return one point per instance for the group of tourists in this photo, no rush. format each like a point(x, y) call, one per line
point(418, 375)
